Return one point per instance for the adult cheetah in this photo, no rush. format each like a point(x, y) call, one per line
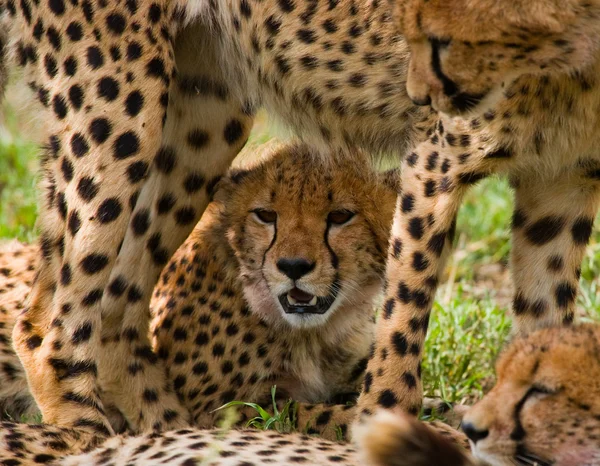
point(147, 103)
point(135, 147)
point(277, 285)
point(517, 90)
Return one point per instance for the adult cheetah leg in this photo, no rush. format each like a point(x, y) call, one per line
point(434, 179)
point(206, 127)
point(549, 240)
point(105, 104)
point(328, 421)
point(332, 422)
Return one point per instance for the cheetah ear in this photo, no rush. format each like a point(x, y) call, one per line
point(236, 175)
point(227, 184)
point(391, 179)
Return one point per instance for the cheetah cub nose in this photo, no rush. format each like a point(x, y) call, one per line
point(295, 267)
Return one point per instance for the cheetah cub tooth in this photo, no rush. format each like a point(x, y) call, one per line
point(294, 301)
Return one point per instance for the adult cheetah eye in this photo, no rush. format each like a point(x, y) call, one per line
point(265, 216)
point(537, 390)
point(339, 217)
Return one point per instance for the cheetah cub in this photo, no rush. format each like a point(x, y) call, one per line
point(277, 285)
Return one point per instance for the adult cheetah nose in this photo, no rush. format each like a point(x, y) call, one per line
point(295, 267)
point(473, 432)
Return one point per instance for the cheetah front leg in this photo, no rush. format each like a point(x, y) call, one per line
point(206, 127)
point(549, 241)
point(104, 104)
point(325, 420)
point(434, 179)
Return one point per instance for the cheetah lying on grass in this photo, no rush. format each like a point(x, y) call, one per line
point(544, 410)
point(277, 285)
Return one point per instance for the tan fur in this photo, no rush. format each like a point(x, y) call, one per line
point(493, 43)
point(547, 383)
point(115, 177)
point(398, 439)
point(229, 264)
point(17, 271)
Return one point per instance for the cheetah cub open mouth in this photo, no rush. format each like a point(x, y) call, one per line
point(297, 301)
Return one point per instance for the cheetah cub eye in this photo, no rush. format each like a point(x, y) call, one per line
point(340, 217)
point(268, 217)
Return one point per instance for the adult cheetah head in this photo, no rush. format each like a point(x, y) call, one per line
point(545, 407)
point(310, 234)
point(465, 53)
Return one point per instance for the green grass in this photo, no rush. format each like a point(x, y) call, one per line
point(466, 329)
point(462, 343)
point(281, 420)
point(18, 176)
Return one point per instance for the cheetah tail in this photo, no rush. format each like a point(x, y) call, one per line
point(391, 439)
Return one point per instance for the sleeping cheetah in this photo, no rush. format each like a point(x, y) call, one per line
point(543, 410)
point(149, 101)
point(277, 285)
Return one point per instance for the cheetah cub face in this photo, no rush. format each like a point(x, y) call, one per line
point(309, 246)
point(545, 406)
point(465, 53)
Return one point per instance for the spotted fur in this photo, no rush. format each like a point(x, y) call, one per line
point(147, 103)
point(223, 327)
point(140, 128)
point(17, 272)
point(26, 445)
